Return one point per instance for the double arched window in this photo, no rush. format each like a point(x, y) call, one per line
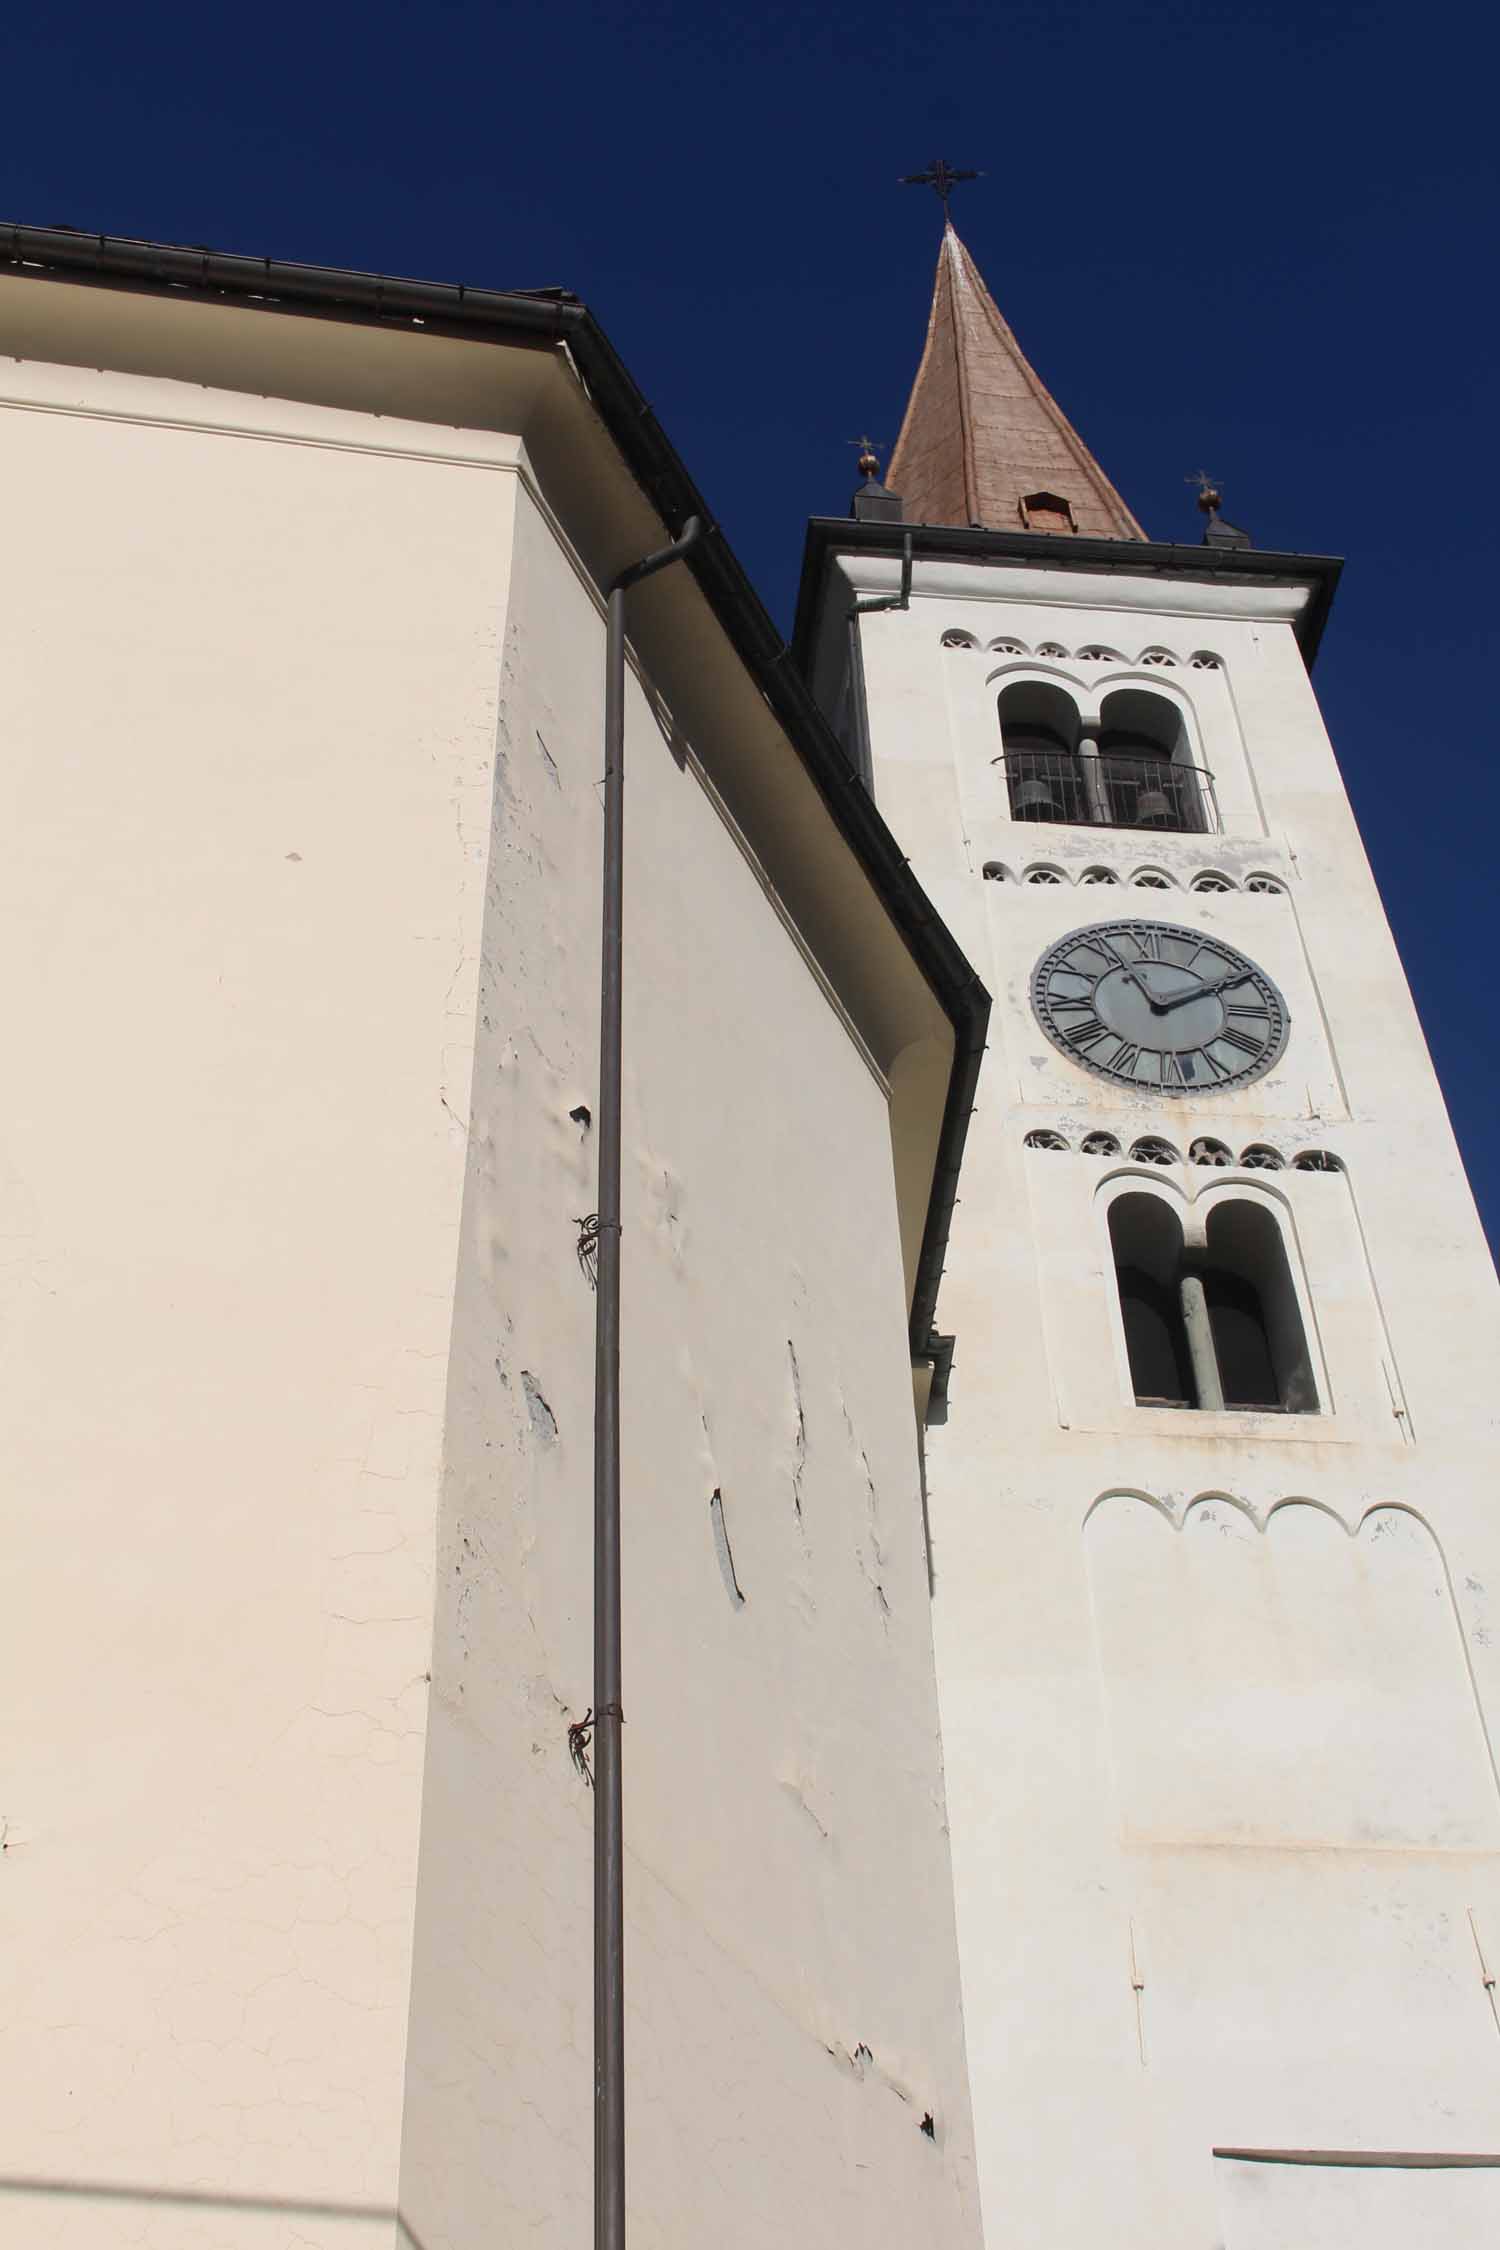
point(1214, 1325)
point(1129, 768)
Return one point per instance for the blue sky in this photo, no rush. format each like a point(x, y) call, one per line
point(1257, 237)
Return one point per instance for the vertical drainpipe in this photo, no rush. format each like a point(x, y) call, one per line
point(864, 606)
point(609, 1889)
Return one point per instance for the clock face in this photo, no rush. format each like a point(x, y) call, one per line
point(1154, 1006)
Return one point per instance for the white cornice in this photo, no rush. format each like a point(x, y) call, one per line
point(1274, 602)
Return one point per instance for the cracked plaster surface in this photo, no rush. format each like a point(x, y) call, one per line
point(211, 1853)
point(784, 1825)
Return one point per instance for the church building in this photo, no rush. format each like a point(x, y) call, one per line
point(1057, 1335)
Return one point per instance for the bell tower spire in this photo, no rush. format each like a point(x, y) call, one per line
point(984, 441)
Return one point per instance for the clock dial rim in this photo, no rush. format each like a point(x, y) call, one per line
point(1271, 1003)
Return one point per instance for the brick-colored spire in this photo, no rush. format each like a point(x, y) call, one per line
point(982, 433)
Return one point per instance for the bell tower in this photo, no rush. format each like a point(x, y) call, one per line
point(1210, 1448)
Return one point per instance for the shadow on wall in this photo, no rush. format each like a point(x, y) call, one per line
point(1287, 1686)
point(1266, 2201)
point(359, 2217)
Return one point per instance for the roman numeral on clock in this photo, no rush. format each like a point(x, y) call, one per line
point(1087, 1033)
point(1242, 1043)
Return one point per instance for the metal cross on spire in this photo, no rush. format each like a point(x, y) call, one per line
point(941, 177)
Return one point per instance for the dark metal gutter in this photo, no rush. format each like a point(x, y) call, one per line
point(831, 535)
point(61, 253)
point(549, 317)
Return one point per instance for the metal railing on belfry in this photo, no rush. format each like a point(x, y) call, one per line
point(1108, 791)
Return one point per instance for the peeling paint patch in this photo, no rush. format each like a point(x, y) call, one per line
point(580, 1735)
point(796, 1790)
point(872, 1565)
point(799, 1446)
point(543, 1420)
point(724, 1550)
point(860, 2062)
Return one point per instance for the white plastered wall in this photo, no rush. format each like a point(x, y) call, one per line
point(1153, 1968)
point(791, 1979)
point(301, 742)
point(247, 710)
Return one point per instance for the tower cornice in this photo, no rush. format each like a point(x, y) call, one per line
point(1244, 569)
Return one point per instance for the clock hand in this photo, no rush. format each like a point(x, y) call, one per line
point(1205, 991)
point(1157, 1007)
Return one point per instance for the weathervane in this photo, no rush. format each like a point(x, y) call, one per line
point(869, 457)
point(941, 177)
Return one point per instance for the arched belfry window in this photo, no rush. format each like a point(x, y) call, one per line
point(1146, 1237)
point(1217, 1327)
point(1258, 1336)
point(1131, 768)
point(1039, 730)
point(1145, 763)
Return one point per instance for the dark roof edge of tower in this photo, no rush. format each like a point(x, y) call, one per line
point(556, 317)
point(828, 535)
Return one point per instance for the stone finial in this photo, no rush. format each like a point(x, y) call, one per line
point(1216, 533)
point(872, 503)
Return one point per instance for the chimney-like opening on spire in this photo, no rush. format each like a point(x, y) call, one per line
point(1046, 511)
